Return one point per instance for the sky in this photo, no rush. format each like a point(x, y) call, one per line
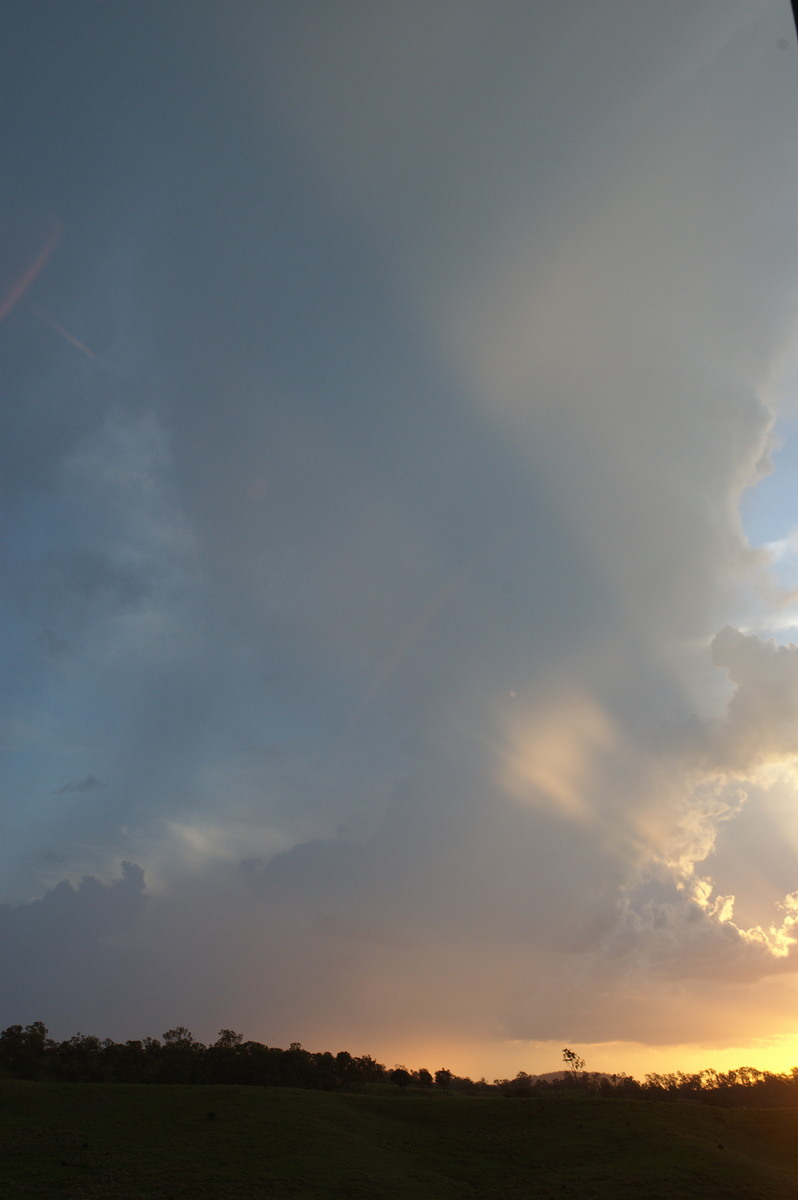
point(399, 510)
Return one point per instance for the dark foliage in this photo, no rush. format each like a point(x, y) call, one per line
point(26, 1052)
point(744, 1087)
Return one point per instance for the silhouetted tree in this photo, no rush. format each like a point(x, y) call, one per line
point(574, 1062)
point(519, 1087)
point(369, 1070)
point(223, 1059)
point(22, 1051)
point(181, 1058)
point(297, 1065)
point(80, 1058)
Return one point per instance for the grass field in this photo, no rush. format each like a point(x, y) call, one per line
point(138, 1142)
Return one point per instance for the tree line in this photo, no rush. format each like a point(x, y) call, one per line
point(27, 1052)
point(744, 1087)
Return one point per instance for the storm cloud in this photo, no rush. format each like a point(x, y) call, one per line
point(381, 589)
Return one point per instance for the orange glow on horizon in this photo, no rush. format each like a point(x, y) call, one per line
point(504, 1060)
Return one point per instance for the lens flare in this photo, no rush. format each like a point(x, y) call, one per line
point(70, 337)
point(19, 287)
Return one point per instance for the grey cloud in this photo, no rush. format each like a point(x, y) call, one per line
point(437, 482)
point(85, 576)
point(256, 949)
point(761, 723)
point(462, 915)
point(87, 784)
point(64, 950)
point(52, 643)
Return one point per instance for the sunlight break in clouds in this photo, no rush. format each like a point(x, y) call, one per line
point(386, 562)
point(553, 754)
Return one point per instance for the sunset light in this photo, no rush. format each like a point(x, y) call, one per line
point(400, 498)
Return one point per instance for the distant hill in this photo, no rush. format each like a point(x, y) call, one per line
point(553, 1076)
point(559, 1076)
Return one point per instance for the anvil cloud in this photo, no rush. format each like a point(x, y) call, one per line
point(395, 655)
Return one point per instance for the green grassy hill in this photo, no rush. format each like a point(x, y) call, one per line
point(138, 1142)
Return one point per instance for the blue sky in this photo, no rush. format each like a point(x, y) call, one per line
point(393, 576)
